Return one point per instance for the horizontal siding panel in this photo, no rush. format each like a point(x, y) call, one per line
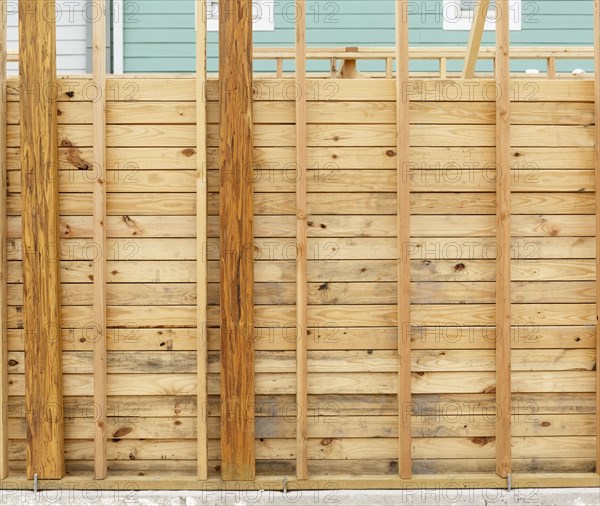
point(155, 35)
point(71, 35)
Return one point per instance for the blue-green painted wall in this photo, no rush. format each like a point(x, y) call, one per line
point(159, 34)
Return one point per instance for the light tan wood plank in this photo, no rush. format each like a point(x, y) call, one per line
point(329, 427)
point(480, 270)
point(575, 446)
point(327, 251)
point(329, 337)
point(155, 89)
point(3, 262)
point(480, 157)
point(523, 337)
point(99, 237)
point(524, 406)
point(506, 136)
point(302, 232)
point(466, 292)
point(554, 291)
point(340, 272)
point(475, 36)
point(405, 137)
point(330, 180)
point(551, 113)
point(201, 235)
point(521, 360)
point(522, 314)
point(372, 135)
point(553, 381)
point(343, 157)
point(597, 152)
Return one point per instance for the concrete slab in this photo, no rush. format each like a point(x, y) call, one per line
point(445, 497)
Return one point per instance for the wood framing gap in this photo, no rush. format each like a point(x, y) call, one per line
point(202, 237)
point(597, 121)
point(475, 36)
point(237, 252)
point(302, 248)
point(41, 240)
point(3, 262)
point(503, 238)
point(99, 199)
point(403, 175)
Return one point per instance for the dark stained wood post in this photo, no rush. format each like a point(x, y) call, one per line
point(236, 214)
point(41, 248)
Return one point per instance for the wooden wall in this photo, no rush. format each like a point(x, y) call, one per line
point(352, 273)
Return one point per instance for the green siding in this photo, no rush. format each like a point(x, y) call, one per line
point(160, 36)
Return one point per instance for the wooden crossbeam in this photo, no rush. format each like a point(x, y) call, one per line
point(403, 178)
point(503, 238)
point(201, 234)
point(3, 263)
point(99, 203)
point(41, 236)
point(302, 248)
point(236, 229)
point(475, 37)
point(424, 53)
point(597, 116)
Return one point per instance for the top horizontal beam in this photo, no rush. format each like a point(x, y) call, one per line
point(486, 52)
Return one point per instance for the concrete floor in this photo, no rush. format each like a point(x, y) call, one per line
point(485, 497)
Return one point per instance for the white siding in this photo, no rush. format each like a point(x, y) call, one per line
point(71, 26)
